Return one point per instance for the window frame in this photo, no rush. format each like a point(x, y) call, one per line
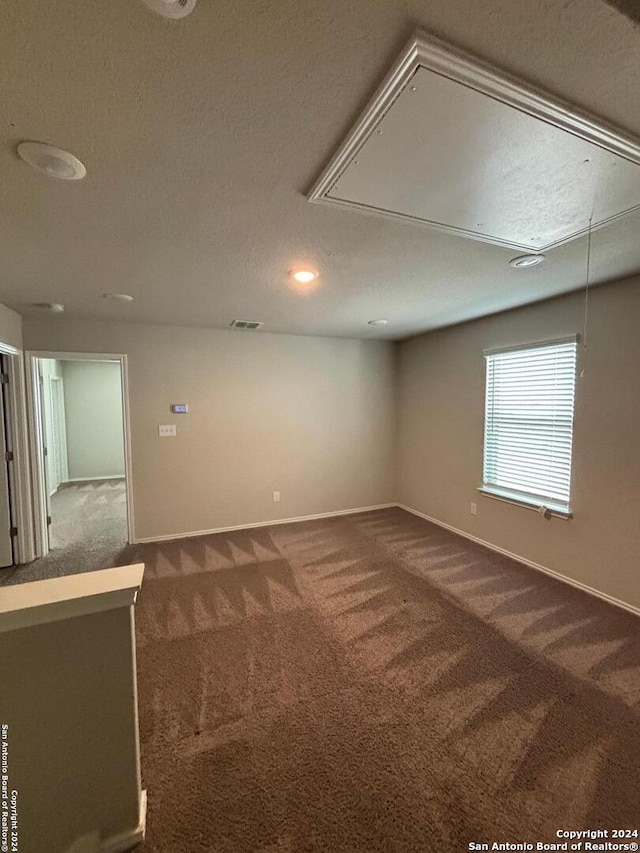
point(517, 497)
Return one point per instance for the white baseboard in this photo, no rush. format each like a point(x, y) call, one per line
point(171, 536)
point(557, 575)
point(128, 840)
point(90, 479)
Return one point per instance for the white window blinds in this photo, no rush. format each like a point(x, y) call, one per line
point(529, 423)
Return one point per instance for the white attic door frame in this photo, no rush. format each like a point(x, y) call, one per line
point(38, 461)
point(426, 53)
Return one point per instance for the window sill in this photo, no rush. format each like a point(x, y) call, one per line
point(535, 504)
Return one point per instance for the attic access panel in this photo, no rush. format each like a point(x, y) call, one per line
point(452, 143)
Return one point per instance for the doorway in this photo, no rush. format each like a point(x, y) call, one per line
point(81, 460)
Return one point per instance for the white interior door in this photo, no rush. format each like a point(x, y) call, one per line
point(59, 431)
point(45, 449)
point(6, 540)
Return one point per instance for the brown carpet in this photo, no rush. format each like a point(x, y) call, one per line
point(375, 683)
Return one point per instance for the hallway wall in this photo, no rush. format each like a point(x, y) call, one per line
point(10, 327)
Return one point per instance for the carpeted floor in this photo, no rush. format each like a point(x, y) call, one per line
point(374, 683)
point(88, 532)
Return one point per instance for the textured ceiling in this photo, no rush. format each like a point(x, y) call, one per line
point(202, 137)
point(628, 7)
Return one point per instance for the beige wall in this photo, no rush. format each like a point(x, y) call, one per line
point(441, 399)
point(10, 327)
point(93, 409)
point(311, 417)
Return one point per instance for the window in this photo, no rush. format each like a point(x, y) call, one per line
point(529, 424)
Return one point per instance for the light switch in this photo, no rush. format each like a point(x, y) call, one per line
point(166, 430)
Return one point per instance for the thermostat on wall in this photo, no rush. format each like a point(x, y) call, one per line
point(179, 408)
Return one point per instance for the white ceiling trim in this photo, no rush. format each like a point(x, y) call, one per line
point(427, 51)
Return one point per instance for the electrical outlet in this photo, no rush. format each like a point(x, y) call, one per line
point(473, 509)
point(276, 497)
point(166, 430)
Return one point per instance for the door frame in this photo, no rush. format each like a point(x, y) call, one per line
point(35, 426)
point(18, 437)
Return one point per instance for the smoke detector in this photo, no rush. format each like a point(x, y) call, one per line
point(54, 162)
point(171, 8)
point(54, 307)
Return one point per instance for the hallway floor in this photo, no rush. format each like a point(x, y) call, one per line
point(88, 532)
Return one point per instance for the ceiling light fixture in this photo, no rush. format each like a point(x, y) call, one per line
point(304, 276)
point(378, 322)
point(54, 307)
point(118, 297)
point(525, 261)
point(54, 162)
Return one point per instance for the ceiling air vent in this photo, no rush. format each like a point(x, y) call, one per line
point(245, 324)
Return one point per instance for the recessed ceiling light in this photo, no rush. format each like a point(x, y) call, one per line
point(52, 161)
point(304, 276)
point(118, 297)
point(525, 261)
point(378, 322)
